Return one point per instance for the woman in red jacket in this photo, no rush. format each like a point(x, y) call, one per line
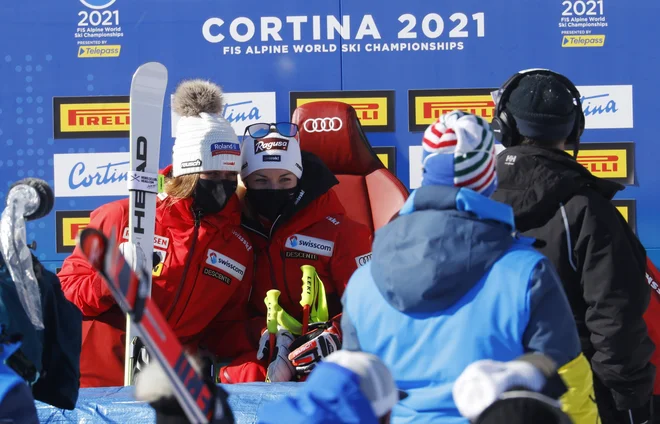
point(203, 281)
point(294, 219)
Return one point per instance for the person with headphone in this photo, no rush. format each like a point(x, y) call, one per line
point(601, 263)
point(450, 282)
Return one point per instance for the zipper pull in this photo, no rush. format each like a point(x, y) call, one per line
point(198, 218)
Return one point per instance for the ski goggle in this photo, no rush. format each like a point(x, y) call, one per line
point(262, 129)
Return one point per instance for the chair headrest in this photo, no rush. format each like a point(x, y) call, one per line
point(332, 131)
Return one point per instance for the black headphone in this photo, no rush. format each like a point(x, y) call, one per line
point(504, 124)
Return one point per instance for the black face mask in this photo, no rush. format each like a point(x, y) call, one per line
point(211, 196)
point(271, 203)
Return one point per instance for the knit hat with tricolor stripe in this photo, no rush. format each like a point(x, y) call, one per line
point(459, 150)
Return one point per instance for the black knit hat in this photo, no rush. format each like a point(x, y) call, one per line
point(543, 108)
point(523, 408)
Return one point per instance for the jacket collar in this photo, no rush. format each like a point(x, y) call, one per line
point(436, 197)
point(182, 211)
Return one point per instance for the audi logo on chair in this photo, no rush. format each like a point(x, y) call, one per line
point(323, 124)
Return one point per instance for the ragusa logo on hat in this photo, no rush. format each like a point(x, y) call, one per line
point(276, 144)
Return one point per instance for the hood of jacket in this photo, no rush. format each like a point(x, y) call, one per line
point(314, 199)
point(441, 244)
point(536, 180)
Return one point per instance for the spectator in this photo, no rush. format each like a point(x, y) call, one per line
point(520, 391)
point(450, 282)
point(600, 261)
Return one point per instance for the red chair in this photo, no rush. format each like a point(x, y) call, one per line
point(370, 193)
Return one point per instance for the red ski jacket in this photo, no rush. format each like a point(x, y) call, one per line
point(202, 286)
point(316, 232)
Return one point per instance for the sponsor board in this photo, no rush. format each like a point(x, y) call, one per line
point(99, 51)
point(607, 106)
point(309, 244)
point(415, 161)
point(583, 41)
point(91, 117)
point(346, 33)
point(225, 263)
point(578, 21)
point(426, 106)
point(98, 29)
point(242, 110)
point(68, 224)
point(387, 155)
point(604, 106)
point(611, 161)
point(374, 109)
point(627, 208)
point(91, 174)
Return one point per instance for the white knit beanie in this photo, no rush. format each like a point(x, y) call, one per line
point(274, 151)
point(204, 140)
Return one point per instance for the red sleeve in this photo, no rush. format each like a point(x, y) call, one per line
point(229, 333)
point(652, 318)
point(353, 249)
point(81, 284)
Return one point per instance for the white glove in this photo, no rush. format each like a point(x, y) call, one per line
point(133, 256)
point(280, 368)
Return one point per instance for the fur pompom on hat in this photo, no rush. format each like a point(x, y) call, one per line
point(204, 140)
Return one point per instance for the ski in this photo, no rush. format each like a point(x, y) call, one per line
point(130, 292)
point(147, 96)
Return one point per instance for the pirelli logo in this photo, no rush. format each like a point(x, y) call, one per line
point(68, 225)
point(627, 208)
point(425, 106)
point(612, 161)
point(374, 109)
point(91, 117)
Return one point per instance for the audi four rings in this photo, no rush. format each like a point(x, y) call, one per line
point(323, 124)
